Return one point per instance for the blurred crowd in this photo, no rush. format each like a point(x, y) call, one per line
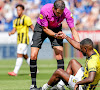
point(86, 13)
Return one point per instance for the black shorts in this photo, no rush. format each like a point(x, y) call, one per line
point(39, 36)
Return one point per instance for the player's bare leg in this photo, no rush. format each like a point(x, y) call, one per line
point(71, 70)
point(19, 62)
point(59, 57)
point(33, 66)
point(73, 67)
point(64, 75)
point(58, 74)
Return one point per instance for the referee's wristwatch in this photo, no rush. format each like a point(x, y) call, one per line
point(55, 35)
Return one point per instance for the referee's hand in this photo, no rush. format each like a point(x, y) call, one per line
point(61, 35)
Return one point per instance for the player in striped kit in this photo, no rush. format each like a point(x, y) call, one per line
point(21, 24)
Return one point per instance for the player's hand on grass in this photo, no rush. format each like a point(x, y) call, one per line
point(61, 35)
point(76, 87)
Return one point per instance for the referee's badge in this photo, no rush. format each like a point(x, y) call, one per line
point(41, 16)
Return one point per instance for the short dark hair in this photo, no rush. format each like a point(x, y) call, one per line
point(86, 41)
point(20, 5)
point(59, 4)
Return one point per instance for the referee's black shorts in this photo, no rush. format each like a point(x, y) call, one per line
point(39, 36)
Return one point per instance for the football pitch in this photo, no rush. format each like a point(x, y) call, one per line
point(23, 80)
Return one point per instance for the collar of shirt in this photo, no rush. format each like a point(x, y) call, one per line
point(21, 16)
point(53, 15)
point(90, 56)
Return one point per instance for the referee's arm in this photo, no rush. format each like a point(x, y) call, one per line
point(49, 32)
point(75, 34)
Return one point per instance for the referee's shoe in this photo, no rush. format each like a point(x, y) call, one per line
point(35, 88)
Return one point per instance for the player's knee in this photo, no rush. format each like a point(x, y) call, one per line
point(73, 61)
point(19, 55)
point(59, 57)
point(33, 57)
point(58, 71)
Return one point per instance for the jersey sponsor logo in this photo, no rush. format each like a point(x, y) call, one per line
point(41, 16)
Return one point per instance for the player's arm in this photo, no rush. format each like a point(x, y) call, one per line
point(12, 32)
point(32, 27)
point(75, 34)
point(92, 64)
point(49, 32)
point(74, 43)
point(87, 80)
point(29, 23)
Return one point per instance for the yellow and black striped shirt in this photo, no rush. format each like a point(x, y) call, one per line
point(92, 65)
point(22, 26)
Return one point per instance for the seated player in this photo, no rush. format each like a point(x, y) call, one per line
point(75, 76)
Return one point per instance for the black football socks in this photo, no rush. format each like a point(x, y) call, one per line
point(60, 64)
point(33, 70)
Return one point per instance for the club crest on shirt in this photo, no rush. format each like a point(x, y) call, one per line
point(59, 23)
point(41, 16)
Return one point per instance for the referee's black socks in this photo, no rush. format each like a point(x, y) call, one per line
point(33, 70)
point(60, 64)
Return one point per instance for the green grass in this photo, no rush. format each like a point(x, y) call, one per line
point(23, 80)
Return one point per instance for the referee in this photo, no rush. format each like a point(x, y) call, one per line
point(48, 25)
point(21, 24)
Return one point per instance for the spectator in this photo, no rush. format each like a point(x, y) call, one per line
point(97, 26)
point(1, 23)
point(81, 9)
